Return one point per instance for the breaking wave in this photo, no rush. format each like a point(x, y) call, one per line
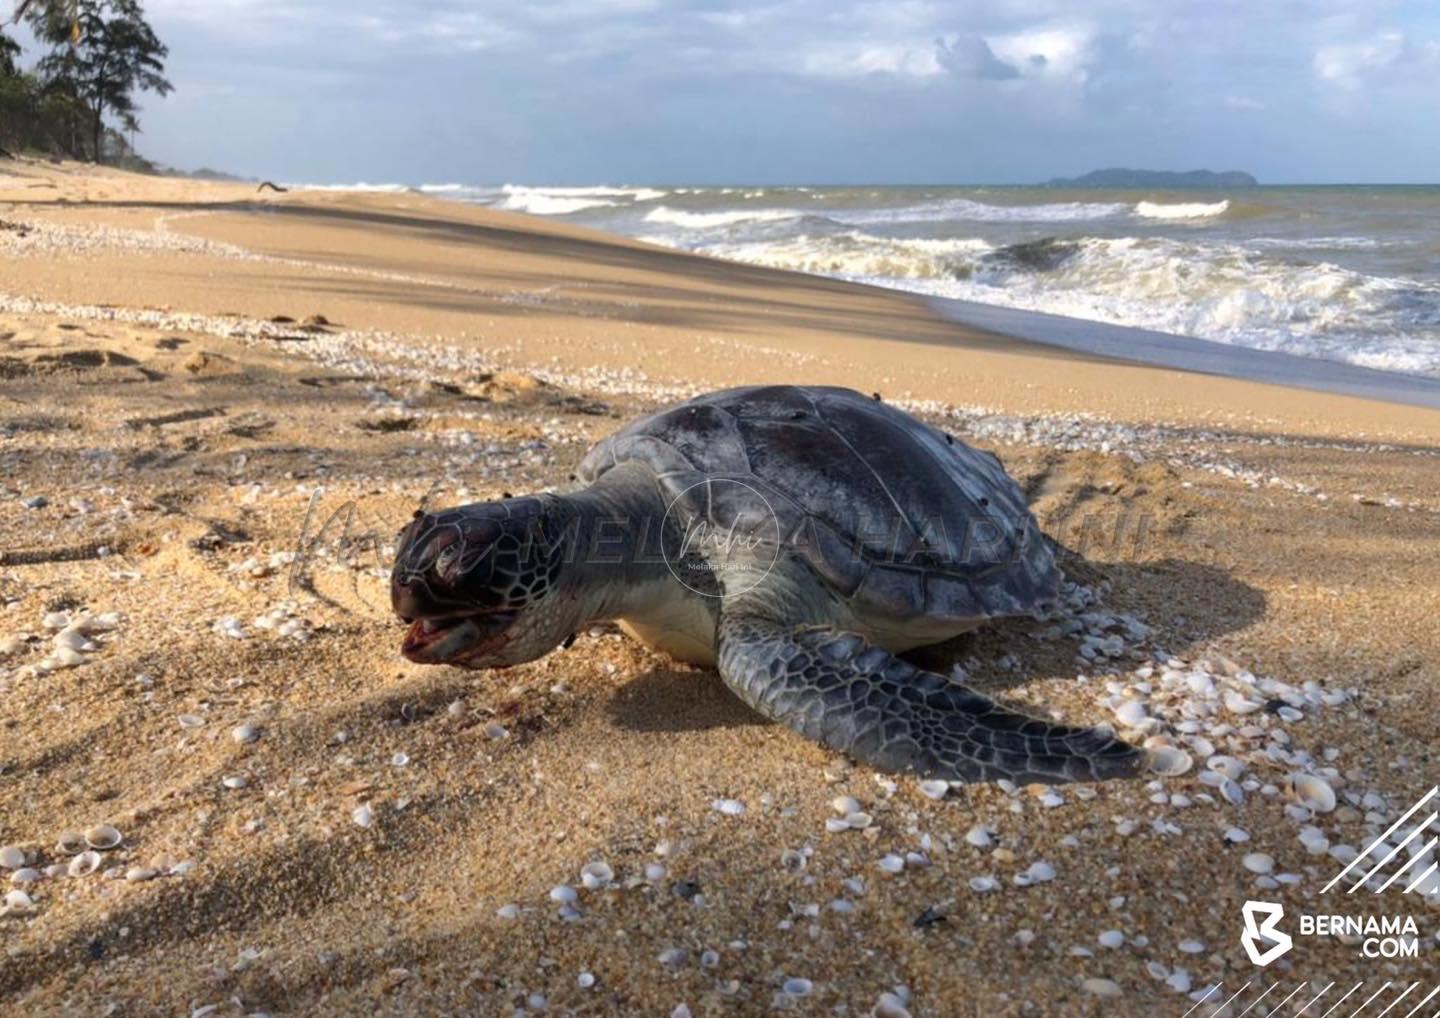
point(1181, 210)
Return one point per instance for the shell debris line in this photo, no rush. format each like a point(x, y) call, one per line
point(223, 791)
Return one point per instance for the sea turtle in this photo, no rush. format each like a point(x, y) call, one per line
point(797, 538)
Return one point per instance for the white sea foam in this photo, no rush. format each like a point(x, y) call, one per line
point(981, 212)
point(563, 201)
point(1223, 292)
point(1181, 210)
point(709, 220)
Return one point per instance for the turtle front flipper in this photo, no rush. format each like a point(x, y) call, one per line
point(840, 690)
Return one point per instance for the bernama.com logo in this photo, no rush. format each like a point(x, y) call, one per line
point(1394, 936)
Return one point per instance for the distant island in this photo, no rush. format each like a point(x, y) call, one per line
point(1117, 177)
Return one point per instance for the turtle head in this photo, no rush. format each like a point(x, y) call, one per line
point(479, 584)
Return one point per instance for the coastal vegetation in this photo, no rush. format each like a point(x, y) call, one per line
point(78, 98)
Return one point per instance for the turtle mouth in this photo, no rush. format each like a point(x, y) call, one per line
point(457, 640)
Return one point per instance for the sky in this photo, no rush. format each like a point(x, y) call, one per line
point(796, 91)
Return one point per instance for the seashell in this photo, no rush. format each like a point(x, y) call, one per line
point(980, 836)
point(730, 807)
point(859, 821)
point(1226, 765)
point(102, 623)
point(585, 980)
point(844, 805)
point(563, 894)
point(363, 816)
point(18, 901)
point(835, 825)
point(1102, 987)
point(245, 734)
point(12, 857)
point(936, 789)
point(792, 860)
point(983, 884)
point(1111, 939)
point(495, 730)
point(1132, 713)
point(508, 911)
point(74, 639)
point(70, 842)
point(1191, 947)
point(400, 760)
point(673, 957)
point(66, 657)
point(85, 863)
point(191, 721)
point(233, 783)
point(103, 837)
point(181, 868)
point(891, 863)
point(56, 621)
point(890, 1005)
point(596, 874)
point(1169, 761)
point(137, 873)
point(1258, 862)
point(1312, 791)
point(1236, 703)
point(655, 871)
point(798, 987)
point(25, 875)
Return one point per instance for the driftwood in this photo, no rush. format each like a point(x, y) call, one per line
point(272, 186)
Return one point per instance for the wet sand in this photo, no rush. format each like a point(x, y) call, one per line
point(230, 484)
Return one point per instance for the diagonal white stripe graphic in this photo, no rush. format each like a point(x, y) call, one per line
point(1313, 999)
point(1256, 1001)
point(1213, 989)
point(1232, 997)
point(1367, 1002)
point(1413, 860)
point(1392, 853)
point(1427, 999)
point(1343, 999)
point(1397, 1000)
point(1422, 877)
point(1276, 1009)
point(1381, 840)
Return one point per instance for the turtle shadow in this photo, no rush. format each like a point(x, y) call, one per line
point(679, 700)
point(1185, 604)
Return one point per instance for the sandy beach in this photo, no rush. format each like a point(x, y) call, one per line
point(218, 407)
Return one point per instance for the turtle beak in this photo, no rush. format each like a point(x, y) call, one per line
point(457, 641)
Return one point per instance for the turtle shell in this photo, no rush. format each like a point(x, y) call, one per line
point(893, 514)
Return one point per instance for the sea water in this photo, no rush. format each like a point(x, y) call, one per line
point(1343, 273)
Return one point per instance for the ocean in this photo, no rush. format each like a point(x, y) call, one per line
point(1341, 273)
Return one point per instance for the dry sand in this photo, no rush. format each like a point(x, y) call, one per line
point(203, 461)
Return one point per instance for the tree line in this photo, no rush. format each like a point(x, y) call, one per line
point(78, 98)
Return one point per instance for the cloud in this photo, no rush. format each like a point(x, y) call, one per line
point(1347, 64)
point(971, 57)
point(1053, 51)
point(1242, 102)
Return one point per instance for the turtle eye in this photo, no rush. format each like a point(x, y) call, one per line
point(447, 558)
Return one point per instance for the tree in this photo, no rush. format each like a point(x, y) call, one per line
point(104, 52)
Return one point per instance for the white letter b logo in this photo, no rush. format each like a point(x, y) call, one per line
point(1257, 930)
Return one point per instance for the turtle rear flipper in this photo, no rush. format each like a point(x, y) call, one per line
point(837, 688)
